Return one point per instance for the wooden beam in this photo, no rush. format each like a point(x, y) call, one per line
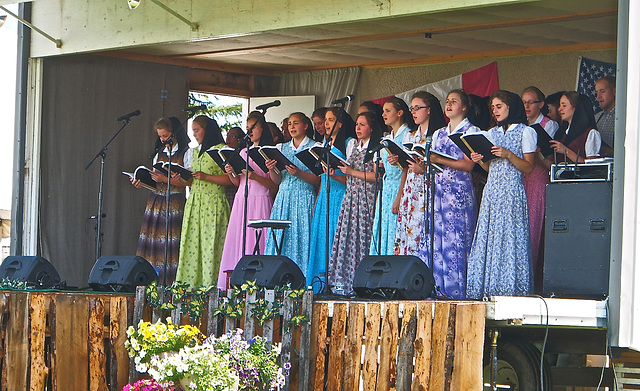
point(404, 34)
point(538, 50)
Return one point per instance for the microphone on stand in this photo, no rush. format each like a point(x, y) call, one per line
point(369, 155)
point(193, 109)
point(127, 117)
point(265, 106)
point(343, 100)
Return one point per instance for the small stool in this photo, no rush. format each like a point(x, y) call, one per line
point(274, 225)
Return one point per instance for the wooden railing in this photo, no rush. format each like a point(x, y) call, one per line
point(75, 341)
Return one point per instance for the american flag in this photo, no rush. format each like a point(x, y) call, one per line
point(589, 72)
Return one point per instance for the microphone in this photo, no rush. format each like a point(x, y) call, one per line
point(343, 100)
point(369, 155)
point(168, 141)
point(193, 109)
point(265, 106)
point(127, 117)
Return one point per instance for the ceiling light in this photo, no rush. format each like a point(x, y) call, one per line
point(133, 4)
point(32, 27)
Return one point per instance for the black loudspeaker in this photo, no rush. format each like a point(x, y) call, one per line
point(577, 240)
point(121, 273)
point(37, 272)
point(402, 277)
point(268, 271)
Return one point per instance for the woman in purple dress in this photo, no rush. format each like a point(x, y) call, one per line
point(454, 203)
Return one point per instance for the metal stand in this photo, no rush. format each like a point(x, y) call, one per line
point(430, 177)
point(377, 190)
point(102, 153)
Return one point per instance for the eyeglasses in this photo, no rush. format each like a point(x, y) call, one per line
point(530, 102)
point(416, 108)
point(233, 136)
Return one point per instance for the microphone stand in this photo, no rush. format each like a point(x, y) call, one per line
point(103, 154)
point(377, 190)
point(430, 173)
point(327, 149)
point(169, 144)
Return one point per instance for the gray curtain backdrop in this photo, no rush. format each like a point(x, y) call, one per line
point(327, 85)
point(82, 98)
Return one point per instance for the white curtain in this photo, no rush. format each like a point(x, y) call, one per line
point(327, 85)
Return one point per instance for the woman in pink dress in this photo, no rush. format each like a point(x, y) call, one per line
point(259, 201)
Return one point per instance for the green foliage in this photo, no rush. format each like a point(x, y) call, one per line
point(227, 116)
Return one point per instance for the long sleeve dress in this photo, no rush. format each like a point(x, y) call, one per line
point(204, 226)
point(454, 215)
point(259, 203)
point(293, 202)
point(317, 249)
point(387, 221)
point(152, 234)
point(500, 258)
point(353, 232)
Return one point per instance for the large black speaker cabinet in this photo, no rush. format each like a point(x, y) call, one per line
point(403, 277)
point(113, 273)
point(268, 271)
point(37, 272)
point(577, 240)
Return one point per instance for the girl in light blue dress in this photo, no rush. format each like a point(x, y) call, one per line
point(344, 131)
point(500, 259)
point(398, 118)
point(296, 195)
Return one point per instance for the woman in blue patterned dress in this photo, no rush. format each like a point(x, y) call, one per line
point(500, 259)
point(454, 204)
point(296, 194)
point(353, 232)
point(344, 130)
point(397, 117)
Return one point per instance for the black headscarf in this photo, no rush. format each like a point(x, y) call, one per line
point(517, 114)
point(179, 135)
point(478, 114)
point(348, 129)
point(377, 129)
point(582, 121)
point(436, 117)
point(266, 138)
point(212, 134)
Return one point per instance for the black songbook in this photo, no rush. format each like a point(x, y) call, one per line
point(417, 149)
point(479, 142)
point(260, 155)
point(317, 153)
point(175, 167)
point(143, 174)
point(404, 155)
point(226, 155)
point(543, 140)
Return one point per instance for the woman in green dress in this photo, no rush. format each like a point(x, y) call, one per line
point(206, 213)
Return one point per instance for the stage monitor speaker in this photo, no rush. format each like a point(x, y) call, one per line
point(577, 240)
point(268, 271)
point(401, 277)
point(113, 273)
point(37, 272)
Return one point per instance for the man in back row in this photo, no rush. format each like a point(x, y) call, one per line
point(605, 119)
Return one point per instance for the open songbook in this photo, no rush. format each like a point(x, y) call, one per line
point(315, 158)
point(226, 155)
point(175, 167)
point(143, 174)
point(260, 155)
point(543, 140)
point(479, 142)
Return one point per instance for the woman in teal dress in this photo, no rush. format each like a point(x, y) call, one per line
point(294, 201)
point(206, 213)
point(344, 130)
point(398, 118)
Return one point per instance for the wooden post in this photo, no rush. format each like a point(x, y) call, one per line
point(422, 347)
point(212, 321)
point(16, 342)
point(38, 313)
point(267, 327)
point(249, 324)
point(353, 351)
point(69, 336)
point(388, 347)
point(97, 355)
point(469, 346)
point(119, 360)
point(336, 347)
point(405, 347)
point(229, 323)
point(138, 313)
point(305, 342)
point(157, 312)
point(371, 342)
point(287, 333)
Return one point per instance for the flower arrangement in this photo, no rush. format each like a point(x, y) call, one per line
point(215, 364)
point(151, 339)
point(144, 385)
